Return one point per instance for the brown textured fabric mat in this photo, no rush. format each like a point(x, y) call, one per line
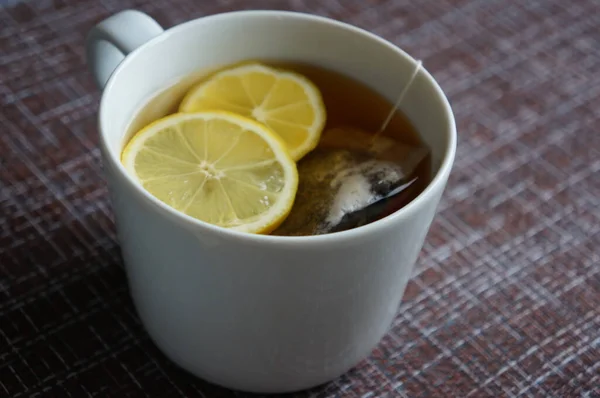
point(505, 298)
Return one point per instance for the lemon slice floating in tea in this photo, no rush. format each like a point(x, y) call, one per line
point(216, 166)
point(288, 103)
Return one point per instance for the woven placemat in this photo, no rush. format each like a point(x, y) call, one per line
point(505, 298)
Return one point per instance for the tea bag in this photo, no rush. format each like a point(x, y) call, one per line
point(354, 178)
point(351, 179)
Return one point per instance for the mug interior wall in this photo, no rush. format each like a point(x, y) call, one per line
point(228, 38)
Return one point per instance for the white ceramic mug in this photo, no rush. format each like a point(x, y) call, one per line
point(251, 312)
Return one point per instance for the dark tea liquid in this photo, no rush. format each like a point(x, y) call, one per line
point(348, 103)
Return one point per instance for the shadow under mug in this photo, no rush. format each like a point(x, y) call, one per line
point(251, 312)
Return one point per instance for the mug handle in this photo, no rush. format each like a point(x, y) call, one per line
point(111, 40)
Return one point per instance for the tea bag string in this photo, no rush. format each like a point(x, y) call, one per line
point(390, 115)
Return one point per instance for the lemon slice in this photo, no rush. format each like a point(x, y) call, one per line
point(288, 103)
point(218, 167)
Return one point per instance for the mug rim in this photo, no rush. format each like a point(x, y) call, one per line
point(184, 220)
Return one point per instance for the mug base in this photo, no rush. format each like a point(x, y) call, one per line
point(253, 386)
